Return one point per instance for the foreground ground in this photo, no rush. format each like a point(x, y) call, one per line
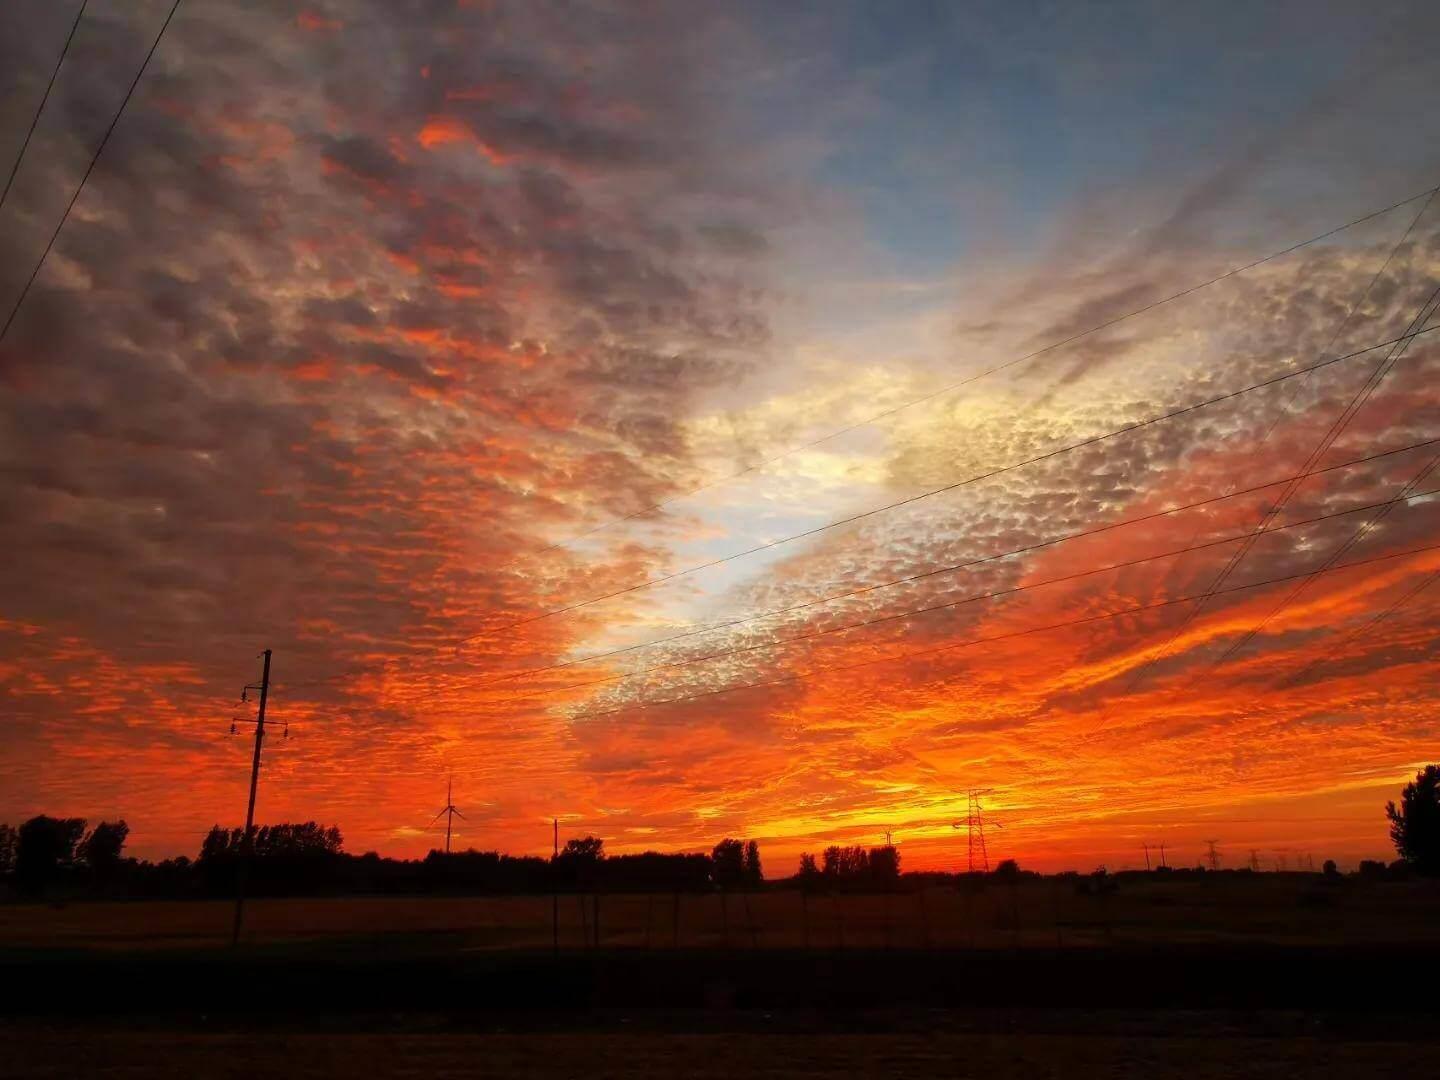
point(1226, 977)
point(1197, 1051)
point(1278, 909)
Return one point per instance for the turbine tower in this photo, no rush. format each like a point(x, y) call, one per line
point(450, 813)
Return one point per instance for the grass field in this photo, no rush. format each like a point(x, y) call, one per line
point(1272, 909)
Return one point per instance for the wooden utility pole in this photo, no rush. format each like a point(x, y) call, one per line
point(247, 848)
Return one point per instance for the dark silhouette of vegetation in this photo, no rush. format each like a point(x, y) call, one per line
point(808, 875)
point(8, 842)
point(307, 840)
point(284, 858)
point(844, 864)
point(753, 874)
point(57, 856)
point(736, 864)
point(852, 869)
point(101, 849)
point(1415, 824)
point(584, 849)
point(304, 859)
point(728, 857)
point(45, 848)
point(885, 865)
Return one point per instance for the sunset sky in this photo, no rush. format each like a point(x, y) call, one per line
point(384, 330)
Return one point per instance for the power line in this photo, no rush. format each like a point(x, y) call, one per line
point(909, 500)
point(1085, 620)
point(1427, 194)
point(1341, 422)
point(1382, 511)
point(951, 387)
point(361, 668)
point(1351, 410)
point(954, 567)
point(94, 159)
point(950, 604)
point(1379, 617)
point(25, 145)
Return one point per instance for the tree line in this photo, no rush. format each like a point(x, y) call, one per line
point(65, 856)
point(50, 855)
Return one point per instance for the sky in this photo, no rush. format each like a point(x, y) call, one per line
point(674, 419)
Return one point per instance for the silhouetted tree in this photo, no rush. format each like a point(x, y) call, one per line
point(1330, 870)
point(1007, 868)
point(100, 851)
point(809, 873)
point(1415, 824)
point(8, 841)
point(845, 864)
point(45, 846)
point(586, 849)
point(753, 874)
point(292, 841)
point(1372, 868)
point(728, 859)
point(885, 864)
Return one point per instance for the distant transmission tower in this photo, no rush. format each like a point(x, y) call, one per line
point(1254, 860)
point(977, 857)
point(449, 813)
point(1213, 857)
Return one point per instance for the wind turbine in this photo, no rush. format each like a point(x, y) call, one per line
point(450, 813)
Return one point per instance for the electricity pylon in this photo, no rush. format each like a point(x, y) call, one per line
point(974, 825)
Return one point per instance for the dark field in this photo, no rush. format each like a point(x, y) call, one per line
point(1273, 909)
point(999, 1055)
point(1226, 976)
